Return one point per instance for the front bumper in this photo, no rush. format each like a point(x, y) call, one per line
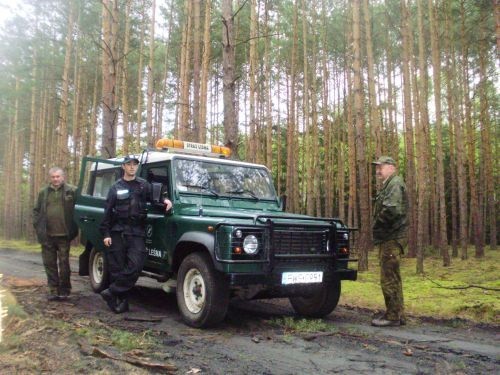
point(273, 279)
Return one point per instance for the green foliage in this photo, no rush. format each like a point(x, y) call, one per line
point(424, 297)
point(302, 325)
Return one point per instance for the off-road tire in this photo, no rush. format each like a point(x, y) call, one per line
point(202, 292)
point(98, 271)
point(319, 303)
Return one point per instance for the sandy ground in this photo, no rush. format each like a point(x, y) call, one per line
point(247, 342)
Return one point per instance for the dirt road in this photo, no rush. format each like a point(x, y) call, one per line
point(248, 342)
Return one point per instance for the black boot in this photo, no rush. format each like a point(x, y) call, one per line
point(110, 299)
point(121, 305)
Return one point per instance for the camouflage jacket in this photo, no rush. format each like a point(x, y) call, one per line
point(390, 213)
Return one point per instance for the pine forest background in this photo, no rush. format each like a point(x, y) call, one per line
point(314, 89)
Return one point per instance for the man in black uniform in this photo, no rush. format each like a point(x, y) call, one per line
point(123, 230)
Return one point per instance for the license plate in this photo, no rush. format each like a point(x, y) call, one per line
point(301, 277)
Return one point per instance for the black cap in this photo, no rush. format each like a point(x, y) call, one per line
point(130, 158)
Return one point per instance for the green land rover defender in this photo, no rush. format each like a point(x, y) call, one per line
point(226, 236)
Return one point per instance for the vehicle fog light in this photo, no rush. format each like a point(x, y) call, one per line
point(238, 233)
point(251, 244)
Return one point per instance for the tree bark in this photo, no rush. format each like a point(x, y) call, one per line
point(436, 76)
point(109, 59)
point(229, 78)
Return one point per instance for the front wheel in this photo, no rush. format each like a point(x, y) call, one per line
point(98, 270)
point(319, 303)
point(202, 292)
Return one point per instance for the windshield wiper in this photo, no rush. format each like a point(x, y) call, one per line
point(202, 187)
point(245, 191)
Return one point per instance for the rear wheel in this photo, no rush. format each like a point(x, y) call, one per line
point(98, 271)
point(319, 303)
point(202, 292)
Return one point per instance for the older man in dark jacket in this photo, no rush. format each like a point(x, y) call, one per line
point(55, 228)
point(390, 224)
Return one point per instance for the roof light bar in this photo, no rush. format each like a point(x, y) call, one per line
point(202, 148)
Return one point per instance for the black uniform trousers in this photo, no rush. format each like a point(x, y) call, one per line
point(125, 257)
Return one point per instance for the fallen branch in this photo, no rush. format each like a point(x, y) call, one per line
point(142, 319)
point(101, 353)
point(325, 334)
point(462, 287)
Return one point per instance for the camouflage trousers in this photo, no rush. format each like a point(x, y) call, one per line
point(390, 278)
point(55, 256)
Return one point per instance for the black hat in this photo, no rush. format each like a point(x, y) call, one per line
point(130, 158)
point(384, 160)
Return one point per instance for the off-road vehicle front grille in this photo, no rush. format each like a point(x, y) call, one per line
point(295, 242)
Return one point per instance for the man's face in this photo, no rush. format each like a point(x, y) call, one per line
point(130, 168)
point(383, 171)
point(56, 179)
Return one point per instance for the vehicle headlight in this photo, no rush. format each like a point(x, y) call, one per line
point(251, 244)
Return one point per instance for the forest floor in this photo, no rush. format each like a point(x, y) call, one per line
point(81, 335)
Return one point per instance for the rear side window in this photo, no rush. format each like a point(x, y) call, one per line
point(99, 176)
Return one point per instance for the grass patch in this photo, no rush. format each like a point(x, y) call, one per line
point(425, 298)
point(120, 339)
point(34, 247)
point(290, 324)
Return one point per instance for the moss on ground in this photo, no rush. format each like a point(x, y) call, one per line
point(34, 247)
point(430, 294)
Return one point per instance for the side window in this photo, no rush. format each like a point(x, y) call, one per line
point(99, 176)
point(159, 174)
point(103, 181)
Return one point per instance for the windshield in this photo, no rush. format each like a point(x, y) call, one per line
point(217, 179)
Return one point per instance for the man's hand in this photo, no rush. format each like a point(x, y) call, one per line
point(107, 241)
point(168, 204)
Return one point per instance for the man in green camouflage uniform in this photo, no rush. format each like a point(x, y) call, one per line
point(55, 228)
point(390, 224)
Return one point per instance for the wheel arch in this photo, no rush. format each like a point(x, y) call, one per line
point(192, 242)
point(83, 259)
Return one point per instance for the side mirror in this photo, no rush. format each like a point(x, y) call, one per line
point(156, 191)
point(283, 202)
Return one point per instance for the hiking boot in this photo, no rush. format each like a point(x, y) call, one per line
point(110, 299)
point(52, 297)
point(63, 296)
point(382, 322)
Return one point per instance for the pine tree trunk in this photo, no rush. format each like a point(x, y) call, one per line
point(364, 205)
point(441, 203)
point(204, 73)
point(291, 161)
point(124, 82)
point(150, 69)
point(422, 148)
point(109, 59)
point(409, 138)
point(374, 115)
point(185, 80)
point(138, 129)
point(486, 140)
point(229, 93)
point(196, 69)
point(62, 127)
point(252, 84)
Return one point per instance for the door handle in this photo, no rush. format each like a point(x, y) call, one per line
point(86, 219)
